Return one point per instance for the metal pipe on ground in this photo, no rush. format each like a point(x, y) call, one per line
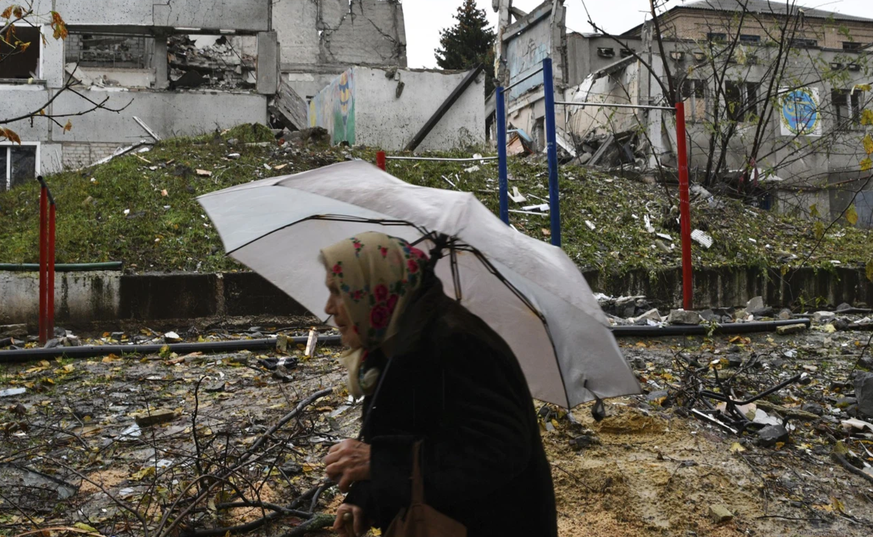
point(62, 267)
point(703, 329)
point(90, 351)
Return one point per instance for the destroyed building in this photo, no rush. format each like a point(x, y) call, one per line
point(809, 142)
point(176, 68)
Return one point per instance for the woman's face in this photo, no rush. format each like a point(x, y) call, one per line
point(337, 309)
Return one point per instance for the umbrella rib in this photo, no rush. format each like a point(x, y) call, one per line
point(496, 273)
point(333, 218)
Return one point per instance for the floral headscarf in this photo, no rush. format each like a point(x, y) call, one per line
point(376, 275)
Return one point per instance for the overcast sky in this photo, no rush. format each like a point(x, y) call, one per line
point(425, 18)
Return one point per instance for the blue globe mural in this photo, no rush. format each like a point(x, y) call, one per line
point(800, 114)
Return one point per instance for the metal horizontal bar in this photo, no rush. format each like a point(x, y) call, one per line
point(62, 267)
point(470, 159)
point(517, 82)
point(616, 105)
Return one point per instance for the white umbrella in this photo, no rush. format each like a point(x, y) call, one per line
point(528, 291)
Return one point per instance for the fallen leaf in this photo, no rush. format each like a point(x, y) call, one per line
point(736, 447)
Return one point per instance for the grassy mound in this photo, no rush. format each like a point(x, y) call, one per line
point(141, 209)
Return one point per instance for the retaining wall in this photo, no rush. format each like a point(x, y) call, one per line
point(87, 297)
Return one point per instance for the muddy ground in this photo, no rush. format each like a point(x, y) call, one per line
point(115, 444)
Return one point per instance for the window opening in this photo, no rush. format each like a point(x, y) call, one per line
point(17, 165)
point(19, 53)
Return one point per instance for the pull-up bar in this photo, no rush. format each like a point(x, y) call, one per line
point(617, 105)
point(552, 153)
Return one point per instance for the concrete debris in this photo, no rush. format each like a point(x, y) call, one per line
point(683, 317)
point(789, 329)
point(9, 392)
point(823, 316)
point(13, 330)
point(289, 109)
point(755, 303)
point(784, 314)
point(156, 418)
point(516, 196)
point(702, 238)
point(651, 315)
point(771, 435)
point(720, 514)
point(864, 393)
point(172, 337)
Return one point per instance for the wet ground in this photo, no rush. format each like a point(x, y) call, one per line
point(195, 444)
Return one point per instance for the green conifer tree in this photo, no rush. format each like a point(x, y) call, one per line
point(468, 43)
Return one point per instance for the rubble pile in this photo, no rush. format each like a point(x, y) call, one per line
point(134, 431)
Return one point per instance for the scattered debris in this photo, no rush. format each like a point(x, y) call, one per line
point(789, 329)
point(702, 238)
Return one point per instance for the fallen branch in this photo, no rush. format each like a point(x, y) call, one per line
point(317, 522)
point(841, 460)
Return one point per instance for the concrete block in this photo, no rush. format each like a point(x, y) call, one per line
point(719, 514)
point(681, 316)
point(864, 393)
point(823, 316)
point(790, 329)
point(756, 303)
point(268, 63)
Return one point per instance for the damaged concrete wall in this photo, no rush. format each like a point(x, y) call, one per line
point(528, 41)
point(321, 38)
point(124, 42)
point(386, 108)
point(241, 15)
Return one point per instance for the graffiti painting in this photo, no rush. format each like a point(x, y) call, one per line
point(799, 113)
point(334, 109)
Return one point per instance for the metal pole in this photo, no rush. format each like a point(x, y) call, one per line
point(552, 149)
point(380, 160)
point(43, 256)
point(50, 270)
point(615, 105)
point(502, 174)
point(684, 207)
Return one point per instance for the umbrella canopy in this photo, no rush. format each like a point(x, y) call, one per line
point(528, 291)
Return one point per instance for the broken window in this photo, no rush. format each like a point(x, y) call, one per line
point(741, 101)
point(848, 106)
point(17, 165)
point(853, 46)
point(19, 53)
point(212, 61)
point(111, 51)
point(693, 94)
point(749, 39)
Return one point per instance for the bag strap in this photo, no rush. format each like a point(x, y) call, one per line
point(417, 477)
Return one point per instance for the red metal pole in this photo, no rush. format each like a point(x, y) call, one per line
point(43, 256)
point(50, 269)
point(684, 207)
point(380, 160)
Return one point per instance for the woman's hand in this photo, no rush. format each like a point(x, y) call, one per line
point(347, 462)
point(350, 521)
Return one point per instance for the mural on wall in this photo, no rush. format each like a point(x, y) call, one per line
point(334, 109)
point(800, 114)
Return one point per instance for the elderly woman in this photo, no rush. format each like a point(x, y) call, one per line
point(430, 370)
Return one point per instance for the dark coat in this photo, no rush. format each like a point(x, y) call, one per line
point(455, 383)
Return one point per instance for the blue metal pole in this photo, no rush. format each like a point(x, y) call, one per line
point(552, 149)
point(500, 112)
